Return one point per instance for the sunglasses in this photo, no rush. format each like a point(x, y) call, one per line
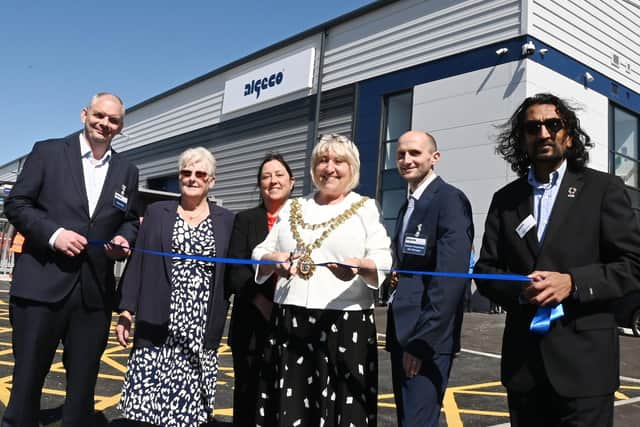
point(186, 173)
point(533, 127)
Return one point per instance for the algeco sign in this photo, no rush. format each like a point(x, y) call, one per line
point(263, 84)
point(282, 77)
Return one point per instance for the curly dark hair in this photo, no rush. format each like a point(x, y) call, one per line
point(511, 139)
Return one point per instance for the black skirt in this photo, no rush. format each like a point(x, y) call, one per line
point(320, 369)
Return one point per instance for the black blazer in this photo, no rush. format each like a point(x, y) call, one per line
point(50, 193)
point(145, 288)
point(249, 229)
point(593, 235)
point(427, 310)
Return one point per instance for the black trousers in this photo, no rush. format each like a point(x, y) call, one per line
point(542, 406)
point(38, 328)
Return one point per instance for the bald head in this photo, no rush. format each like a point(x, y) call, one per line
point(416, 156)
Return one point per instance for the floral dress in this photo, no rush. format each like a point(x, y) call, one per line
point(174, 384)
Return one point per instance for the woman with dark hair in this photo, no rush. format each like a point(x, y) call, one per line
point(252, 303)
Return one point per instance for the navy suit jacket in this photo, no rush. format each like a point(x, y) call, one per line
point(426, 311)
point(50, 193)
point(145, 288)
point(593, 235)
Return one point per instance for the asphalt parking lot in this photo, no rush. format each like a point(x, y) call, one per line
point(475, 396)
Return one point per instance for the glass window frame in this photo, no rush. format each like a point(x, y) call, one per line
point(634, 191)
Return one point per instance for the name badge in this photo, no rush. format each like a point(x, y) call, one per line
point(527, 224)
point(414, 245)
point(120, 201)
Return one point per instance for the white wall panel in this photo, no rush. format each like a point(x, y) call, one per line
point(593, 108)
point(199, 105)
point(591, 31)
point(408, 33)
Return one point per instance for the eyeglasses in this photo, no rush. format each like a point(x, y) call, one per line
point(186, 173)
point(533, 127)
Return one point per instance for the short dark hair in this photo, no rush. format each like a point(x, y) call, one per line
point(269, 157)
point(511, 138)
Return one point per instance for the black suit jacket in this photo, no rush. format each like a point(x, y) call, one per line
point(426, 311)
point(145, 288)
point(50, 193)
point(249, 229)
point(593, 235)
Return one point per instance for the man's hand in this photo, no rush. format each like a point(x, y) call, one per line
point(123, 328)
point(411, 365)
point(547, 288)
point(70, 243)
point(119, 249)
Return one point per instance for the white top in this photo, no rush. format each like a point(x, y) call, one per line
point(360, 236)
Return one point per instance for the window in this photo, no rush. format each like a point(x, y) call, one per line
point(165, 183)
point(396, 119)
point(623, 150)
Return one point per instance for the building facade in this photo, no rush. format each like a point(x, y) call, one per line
point(456, 68)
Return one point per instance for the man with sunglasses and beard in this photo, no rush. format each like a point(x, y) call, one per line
point(571, 230)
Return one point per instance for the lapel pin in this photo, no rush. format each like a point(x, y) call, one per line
point(572, 192)
point(418, 230)
point(124, 188)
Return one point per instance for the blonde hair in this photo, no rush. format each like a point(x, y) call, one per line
point(343, 148)
point(198, 155)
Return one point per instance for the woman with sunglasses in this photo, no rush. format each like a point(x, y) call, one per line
point(321, 365)
point(178, 303)
point(252, 303)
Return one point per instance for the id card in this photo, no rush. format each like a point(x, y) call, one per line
point(414, 245)
point(120, 201)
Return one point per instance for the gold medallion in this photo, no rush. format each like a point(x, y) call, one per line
point(306, 267)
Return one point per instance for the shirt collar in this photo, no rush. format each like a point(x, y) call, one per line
point(554, 177)
point(86, 153)
point(423, 186)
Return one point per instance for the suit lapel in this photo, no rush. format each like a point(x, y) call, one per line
point(168, 220)
point(74, 161)
point(570, 189)
point(524, 208)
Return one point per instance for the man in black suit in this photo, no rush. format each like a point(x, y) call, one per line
point(434, 232)
point(572, 231)
point(70, 191)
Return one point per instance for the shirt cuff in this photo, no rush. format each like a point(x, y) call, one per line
point(54, 236)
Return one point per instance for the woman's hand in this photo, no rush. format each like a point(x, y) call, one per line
point(344, 273)
point(123, 328)
point(285, 267)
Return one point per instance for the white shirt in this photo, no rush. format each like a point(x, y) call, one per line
point(95, 172)
point(360, 236)
point(423, 186)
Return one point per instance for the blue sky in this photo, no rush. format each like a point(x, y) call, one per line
point(54, 55)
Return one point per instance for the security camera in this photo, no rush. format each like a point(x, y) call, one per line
point(528, 48)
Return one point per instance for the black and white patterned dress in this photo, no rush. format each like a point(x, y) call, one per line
point(174, 384)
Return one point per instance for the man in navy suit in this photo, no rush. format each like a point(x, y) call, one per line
point(572, 230)
point(70, 191)
point(434, 232)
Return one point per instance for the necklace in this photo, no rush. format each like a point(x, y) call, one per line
point(306, 266)
point(194, 214)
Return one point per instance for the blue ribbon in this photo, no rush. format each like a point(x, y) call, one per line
point(540, 323)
